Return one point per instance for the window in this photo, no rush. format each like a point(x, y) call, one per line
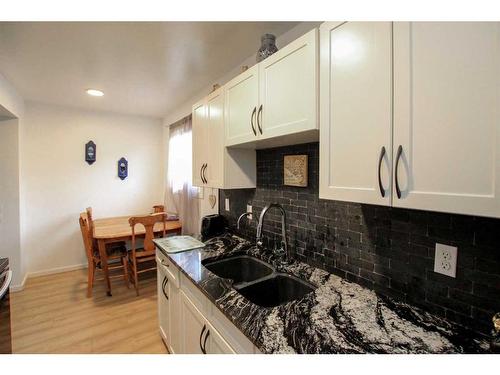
point(180, 157)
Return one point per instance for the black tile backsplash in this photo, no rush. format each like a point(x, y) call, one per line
point(389, 250)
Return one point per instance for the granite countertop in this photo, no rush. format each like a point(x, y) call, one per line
point(338, 317)
point(4, 263)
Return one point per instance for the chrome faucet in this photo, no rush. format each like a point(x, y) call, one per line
point(241, 217)
point(283, 251)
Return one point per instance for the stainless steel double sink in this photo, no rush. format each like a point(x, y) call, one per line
point(258, 281)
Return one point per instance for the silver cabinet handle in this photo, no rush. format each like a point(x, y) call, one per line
point(163, 285)
point(259, 118)
point(204, 170)
point(398, 156)
point(381, 157)
point(252, 119)
point(6, 283)
point(201, 336)
point(201, 173)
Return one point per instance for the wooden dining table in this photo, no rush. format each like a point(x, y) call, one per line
point(117, 229)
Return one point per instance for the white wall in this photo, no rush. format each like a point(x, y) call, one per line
point(10, 241)
point(185, 109)
point(281, 41)
point(57, 183)
point(10, 98)
point(10, 234)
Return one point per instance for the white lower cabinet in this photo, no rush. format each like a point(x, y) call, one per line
point(163, 305)
point(189, 322)
point(168, 300)
point(198, 335)
point(193, 327)
point(216, 343)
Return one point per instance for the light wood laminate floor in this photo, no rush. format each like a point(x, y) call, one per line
point(53, 315)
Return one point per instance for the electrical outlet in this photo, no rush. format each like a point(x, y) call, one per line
point(249, 209)
point(226, 204)
point(445, 260)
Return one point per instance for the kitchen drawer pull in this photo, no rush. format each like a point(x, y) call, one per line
point(164, 284)
point(398, 156)
point(201, 173)
point(259, 117)
point(205, 342)
point(204, 170)
point(252, 120)
point(201, 335)
point(381, 157)
point(6, 283)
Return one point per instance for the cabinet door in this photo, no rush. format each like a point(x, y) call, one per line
point(216, 343)
point(193, 327)
point(241, 98)
point(215, 140)
point(175, 336)
point(163, 305)
point(446, 116)
point(288, 86)
point(356, 105)
point(199, 141)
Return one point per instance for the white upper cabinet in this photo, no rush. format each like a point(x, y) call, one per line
point(213, 165)
point(446, 116)
point(242, 100)
point(276, 101)
point(288, 89)
point(355, 117)
point(439, 85)
point(199, 134)
point(214, 142)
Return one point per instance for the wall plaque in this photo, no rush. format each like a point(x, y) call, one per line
point(90, 152)
point(123, 168)
point(295, 170)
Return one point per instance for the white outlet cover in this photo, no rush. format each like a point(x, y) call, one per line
point(249, 209)
point(445, 260)
point(226, 204)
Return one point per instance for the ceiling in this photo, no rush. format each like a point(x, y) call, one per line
point(144, 68)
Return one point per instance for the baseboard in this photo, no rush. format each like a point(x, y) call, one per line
point(57, 270)
point(18, 288)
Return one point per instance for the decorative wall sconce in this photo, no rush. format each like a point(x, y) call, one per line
point(123, 168)
point(90, 152)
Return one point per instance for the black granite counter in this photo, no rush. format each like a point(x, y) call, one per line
point(4, 263)
point(338, 317)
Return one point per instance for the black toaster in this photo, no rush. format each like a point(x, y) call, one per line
point(212, 225)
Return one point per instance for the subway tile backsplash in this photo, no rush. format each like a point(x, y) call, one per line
point(389, 250)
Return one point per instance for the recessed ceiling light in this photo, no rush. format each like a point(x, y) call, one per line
point(94, 92)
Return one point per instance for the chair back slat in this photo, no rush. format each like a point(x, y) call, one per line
point(158, 208)
point(148, 222)
point(86, 235)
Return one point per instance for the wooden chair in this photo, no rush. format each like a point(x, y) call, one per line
point(158, 208)
point(140, 257)
point(113, 247)
point(117, 259)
